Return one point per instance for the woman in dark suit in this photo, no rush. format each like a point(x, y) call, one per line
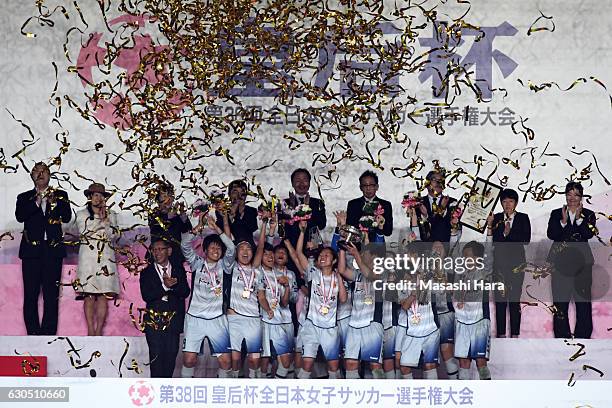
point(511, 232)
point(570, 227)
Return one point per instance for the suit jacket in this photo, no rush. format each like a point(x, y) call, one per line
point(242, 227)
point(171, 234)
point(152, 292)
point(576, 235)
point(37, 224)
point(318, 219)
point(438, 227)
point(354, 211)
point(509, 251)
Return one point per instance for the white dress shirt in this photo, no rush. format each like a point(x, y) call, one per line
point(160, 272)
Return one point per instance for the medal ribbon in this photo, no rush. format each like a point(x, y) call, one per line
point(248, 284)
point(212, 277)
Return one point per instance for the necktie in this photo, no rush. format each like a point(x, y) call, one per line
point(165, 270)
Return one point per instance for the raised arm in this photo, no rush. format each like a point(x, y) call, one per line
point(347, 273)
point(260, 244)
point(342, 295)
point(299, 251)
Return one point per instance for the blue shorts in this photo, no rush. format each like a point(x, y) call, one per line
point(215, 330)
point(365, 343)
point(277, 339)
point(447, 327)
point(415, 347)
point(247, 329)
point(473, 340)
point(314, 337)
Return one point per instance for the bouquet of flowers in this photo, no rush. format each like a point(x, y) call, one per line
point(411, 200)
point(201, 206)
point(373, 208)
point(300, 213)
point(367, 223)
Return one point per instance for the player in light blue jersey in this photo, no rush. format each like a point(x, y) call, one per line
point(473, 321)
point(278, 288)
point(205, 318)
point(243, 312)
point(444, 305)
point(320, 330)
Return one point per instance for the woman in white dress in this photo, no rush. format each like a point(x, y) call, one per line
point(97, 275)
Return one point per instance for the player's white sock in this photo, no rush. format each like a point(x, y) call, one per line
point(259, 374)
point(430, 374)
point(352, 374)
point(303, 375)
point(378, 374)
point(452, 368)
point(252, 373)
point(390, 375)
point(234, 373)
point(484, 373)
point(333, 375)
point(221, 373)
point(187, 372)
point(281, 372)
point(407, 376)
point(464, 374)
point(297, 372)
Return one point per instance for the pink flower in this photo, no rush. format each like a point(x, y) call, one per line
point(379, 210)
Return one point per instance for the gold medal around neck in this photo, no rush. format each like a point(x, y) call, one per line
point(217, 291)
point(274, 304)
point(246, 294)
point(368, 300)
point(324, 310)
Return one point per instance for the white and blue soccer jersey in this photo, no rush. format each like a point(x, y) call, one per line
point(366, 307)
point(444, 302)
point(246, 306)
point(421, 317)
point(476, 304)
point(274, 293)
point(323, 305)
point(207, 290)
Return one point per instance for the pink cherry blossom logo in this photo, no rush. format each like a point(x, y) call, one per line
point(141, 393)
point(116, 110)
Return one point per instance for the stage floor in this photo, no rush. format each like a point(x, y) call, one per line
point(112, 356)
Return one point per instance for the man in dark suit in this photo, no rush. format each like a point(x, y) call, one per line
point(300, 181)
point(242, 218)
point(435, 211)
point(165, 223)
point(570, 228)
point(367, 204)
point(163, 285)
point(511, 232)
point(42, 210)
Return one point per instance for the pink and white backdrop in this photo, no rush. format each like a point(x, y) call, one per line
point(575, 120)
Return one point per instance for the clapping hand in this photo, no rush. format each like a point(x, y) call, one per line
point(340, 218)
